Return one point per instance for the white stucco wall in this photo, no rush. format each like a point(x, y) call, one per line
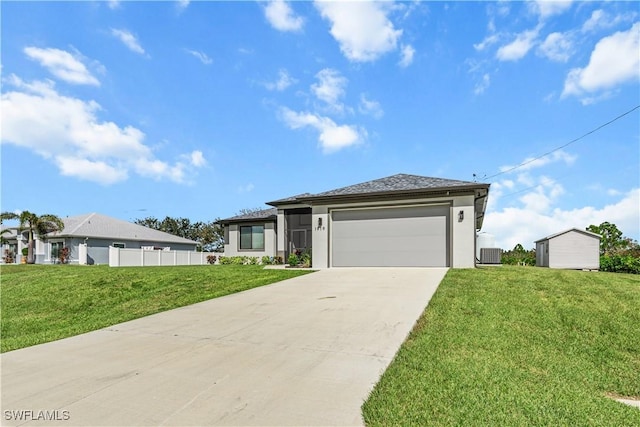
point(463, 233)
point(320, 253)
point(233, 247)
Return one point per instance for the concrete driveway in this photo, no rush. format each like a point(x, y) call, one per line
point(305, 351)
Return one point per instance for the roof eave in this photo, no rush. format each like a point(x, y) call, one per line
point(396, 194)
point(239, 220)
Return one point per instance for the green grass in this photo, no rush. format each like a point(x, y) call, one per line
point(42, 303)
point(517, 346)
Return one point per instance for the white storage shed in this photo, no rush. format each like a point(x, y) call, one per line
point(570, 249)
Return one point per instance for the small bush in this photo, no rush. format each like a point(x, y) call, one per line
point(305, 258)
point(63, 255)
point(278, 260)
point(293, 260)
point(252, 260)
point(9, 257)
point(211, 259)
point(267, 260)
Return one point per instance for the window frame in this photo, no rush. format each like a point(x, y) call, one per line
point(52, 244)
point(252, 248)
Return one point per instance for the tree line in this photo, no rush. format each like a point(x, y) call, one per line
point(209, 235)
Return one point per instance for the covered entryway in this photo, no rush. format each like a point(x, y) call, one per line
point(410, 236)
point(298, 230)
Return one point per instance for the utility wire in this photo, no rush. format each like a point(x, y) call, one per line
point(565, 145)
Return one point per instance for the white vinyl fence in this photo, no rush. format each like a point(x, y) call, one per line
point(119, 257)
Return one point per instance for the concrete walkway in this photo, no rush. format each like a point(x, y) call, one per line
point(305, 351)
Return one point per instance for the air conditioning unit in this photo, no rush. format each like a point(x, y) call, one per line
point(490, 255)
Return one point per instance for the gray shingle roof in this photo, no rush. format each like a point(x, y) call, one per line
point(102, 226)
point(399, 182)
point(269, 213)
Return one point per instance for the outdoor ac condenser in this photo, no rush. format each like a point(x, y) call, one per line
point(490, 255)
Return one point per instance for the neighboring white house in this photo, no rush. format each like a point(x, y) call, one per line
point(401, 220)
point(89, 237)
point(570, 249)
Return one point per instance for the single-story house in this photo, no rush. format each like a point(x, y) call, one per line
point(401, 220)
point(89, 237)
point(569, 249)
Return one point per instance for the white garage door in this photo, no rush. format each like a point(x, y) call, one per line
point(415, 236)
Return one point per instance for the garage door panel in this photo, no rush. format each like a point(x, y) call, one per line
point(403, 237)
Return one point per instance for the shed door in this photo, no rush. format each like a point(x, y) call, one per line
point(415, 236)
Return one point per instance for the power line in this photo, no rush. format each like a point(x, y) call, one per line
point(565, 145)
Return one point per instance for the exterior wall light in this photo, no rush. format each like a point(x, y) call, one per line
point(460, 216)
point(319, 223)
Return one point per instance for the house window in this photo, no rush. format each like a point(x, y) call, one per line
point(119, 245)
point(252, 237)
point(55, 249)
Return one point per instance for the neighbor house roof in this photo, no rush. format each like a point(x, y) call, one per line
point(585, 232)
point(264, 214)
point(105, 227)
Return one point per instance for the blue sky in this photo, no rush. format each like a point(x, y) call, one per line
point(199, 109)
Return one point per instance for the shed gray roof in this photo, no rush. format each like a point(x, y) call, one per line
point(264, 214)
point(105, 227)
point(585, 232)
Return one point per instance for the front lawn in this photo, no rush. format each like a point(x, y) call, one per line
point(42, 303)
point(516, 346)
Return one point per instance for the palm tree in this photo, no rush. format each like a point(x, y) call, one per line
point(41, 225)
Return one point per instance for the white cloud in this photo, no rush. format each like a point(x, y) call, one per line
point(614, 61)
point(281, 16)
point(183, 4)
point(63, 65)
point(203, 57)
point(406, 57)
point(332, 137)
point(283, 82)
point(482, 86)
point(370, 107)
point(512, 225)
point(68, 132)
point(488, 41)
point(600, 19)
point(246, 188)
point(361, 28)
point(532, 163)
point(330, 88)
point(88, 170)
point(518, 48)
point(113, 4)
point(557, 47)
point(197, 159)
point(128, 39)
point(547, 8)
